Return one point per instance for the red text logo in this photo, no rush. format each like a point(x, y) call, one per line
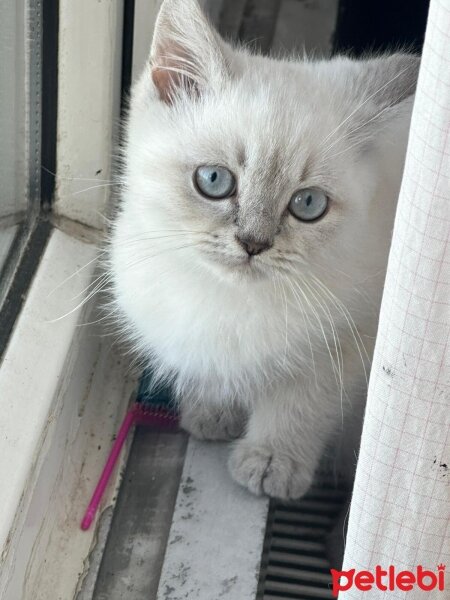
point(388, 579)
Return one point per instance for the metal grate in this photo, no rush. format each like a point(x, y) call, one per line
point(294, 564)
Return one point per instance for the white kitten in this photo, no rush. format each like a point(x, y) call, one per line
point(249, 250)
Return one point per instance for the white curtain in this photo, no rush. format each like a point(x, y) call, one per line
point(400, 512)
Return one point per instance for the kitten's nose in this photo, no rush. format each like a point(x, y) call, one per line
point(252, 246)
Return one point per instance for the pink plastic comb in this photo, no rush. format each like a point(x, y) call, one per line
point(138, 414)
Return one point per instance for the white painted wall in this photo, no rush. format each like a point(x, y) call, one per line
point(90, 52)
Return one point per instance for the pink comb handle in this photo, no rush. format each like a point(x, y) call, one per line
point(127, 423)
point(137, 415)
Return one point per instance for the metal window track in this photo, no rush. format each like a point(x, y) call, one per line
point(294, 564)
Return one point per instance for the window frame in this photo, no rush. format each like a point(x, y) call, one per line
point(40, 83)
point(62, 388)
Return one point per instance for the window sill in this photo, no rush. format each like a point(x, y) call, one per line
point(62, 392)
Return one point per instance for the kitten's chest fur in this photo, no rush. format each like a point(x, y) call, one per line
point(240, 338)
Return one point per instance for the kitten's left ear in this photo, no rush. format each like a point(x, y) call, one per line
point(187, 53)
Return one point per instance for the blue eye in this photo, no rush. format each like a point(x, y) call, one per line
point(308, 204)
point(215, 182)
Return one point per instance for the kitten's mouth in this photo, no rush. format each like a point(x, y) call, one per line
point(244, 266)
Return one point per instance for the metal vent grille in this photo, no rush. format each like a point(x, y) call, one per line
point(294, 565)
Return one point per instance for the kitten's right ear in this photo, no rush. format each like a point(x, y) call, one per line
point(187, 54)
point(389, 80)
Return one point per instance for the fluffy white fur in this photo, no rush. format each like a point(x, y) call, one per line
point(274, 349)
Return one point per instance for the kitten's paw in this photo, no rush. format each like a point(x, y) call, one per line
point(214, 423)
point(265, 471)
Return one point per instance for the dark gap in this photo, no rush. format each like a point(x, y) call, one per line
point(292, 596)
point(22, 280)
point(305, 537)
point(304, 519)
point(319, 511)
point(265, 556)
point(310, 568)
point(385, 25)
point(293, 513)
point(314, 553)
point(296, 581)
point(127, 54)
point(49, 100)
point(328, 491)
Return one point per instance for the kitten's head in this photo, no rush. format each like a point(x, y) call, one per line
point(242, 165)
